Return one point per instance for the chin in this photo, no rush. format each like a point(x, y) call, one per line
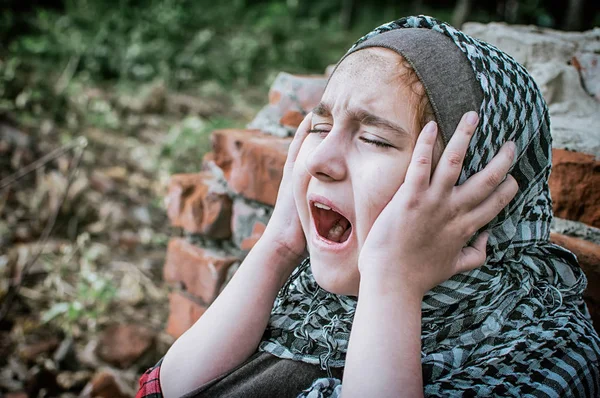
point(336, 277)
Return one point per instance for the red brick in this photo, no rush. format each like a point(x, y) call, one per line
point(200, 271)
point(292, 118)
point(257, 230)
point(274, 97)
point(248, 222)
point(183, 313)
point(251, 161)
point(575, 186)
point(106, 384)
point(588, 254)
point(122, 345)
point(295, 95)
point(198, 204)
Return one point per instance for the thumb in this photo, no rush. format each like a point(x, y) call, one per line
point(473, 256)
point(299, 137)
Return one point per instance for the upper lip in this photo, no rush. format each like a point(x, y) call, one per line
point(322, 199)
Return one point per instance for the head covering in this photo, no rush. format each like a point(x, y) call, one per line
point(450, 83)
point(513, 327)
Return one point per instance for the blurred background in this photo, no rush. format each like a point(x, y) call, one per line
point(144, 83)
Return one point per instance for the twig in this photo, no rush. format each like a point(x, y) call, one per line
point(67, 74)
point(79, 145)
point(80, 142)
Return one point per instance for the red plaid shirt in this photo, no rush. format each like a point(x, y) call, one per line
point(150, 383)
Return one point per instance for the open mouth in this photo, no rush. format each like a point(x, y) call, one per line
point(330, 225)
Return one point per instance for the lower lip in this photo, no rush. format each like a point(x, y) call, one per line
point(328, 245)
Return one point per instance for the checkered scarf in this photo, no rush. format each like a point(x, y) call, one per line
point(517, 326)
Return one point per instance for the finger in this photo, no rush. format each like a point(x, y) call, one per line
point(493, 205)
point(473, 256)
point(481, 185)
point(419, 169)
point(448, 169)
point(299, 137)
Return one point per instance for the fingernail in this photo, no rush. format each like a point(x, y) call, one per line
point(430, 127)
point(472, 118)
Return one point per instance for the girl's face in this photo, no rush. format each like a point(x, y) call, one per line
point(353, 162)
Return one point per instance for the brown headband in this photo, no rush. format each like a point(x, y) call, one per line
point(441, 66)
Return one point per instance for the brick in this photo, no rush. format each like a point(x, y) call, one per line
point(199, 204)
point(296, 93)
point(200, 271)
point(588, 254)
point(588, 66)
point(184, 311)
point(106, 384)
point(252, 162)
point(575, 186)
point(121, 345)
point(257, 230)
point(248, 222)
point(292, 118)
point(291, 97)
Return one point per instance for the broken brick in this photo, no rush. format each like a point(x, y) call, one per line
point(122, 345)
point(199, 204)
point(184, 311)
point(200, 271)
point(575, 186)
point(248, 222)
point(252, 162)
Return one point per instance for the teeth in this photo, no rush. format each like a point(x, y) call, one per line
point(322, 206)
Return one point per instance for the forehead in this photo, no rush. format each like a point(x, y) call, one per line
point(379, 60)
point(370, 79)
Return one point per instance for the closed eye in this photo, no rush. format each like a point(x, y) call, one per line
point(376, 143)
point(321, 132)
point(368, 141)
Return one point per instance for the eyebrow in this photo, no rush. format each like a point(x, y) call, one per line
point(364, 117)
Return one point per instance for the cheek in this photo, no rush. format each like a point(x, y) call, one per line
point(373, 194)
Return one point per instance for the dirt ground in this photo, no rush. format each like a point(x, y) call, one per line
point(83, 234)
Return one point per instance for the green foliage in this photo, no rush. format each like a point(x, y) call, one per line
point(188, 141)
point(237, 42)
point(26, 92)
point(87, 295)
point(182, 41)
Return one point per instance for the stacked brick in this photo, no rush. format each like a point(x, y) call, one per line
point(223, 210)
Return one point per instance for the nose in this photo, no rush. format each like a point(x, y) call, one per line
point(327, 161)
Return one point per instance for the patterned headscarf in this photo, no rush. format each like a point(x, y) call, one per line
point(516, 326)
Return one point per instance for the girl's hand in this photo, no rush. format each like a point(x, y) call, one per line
point(284, 229)
point(418, 239)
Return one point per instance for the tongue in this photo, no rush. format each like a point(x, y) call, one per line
point(337, 231)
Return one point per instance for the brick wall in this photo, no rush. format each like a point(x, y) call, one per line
point(223, 209)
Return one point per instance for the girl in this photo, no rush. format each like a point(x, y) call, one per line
point(430, 271)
